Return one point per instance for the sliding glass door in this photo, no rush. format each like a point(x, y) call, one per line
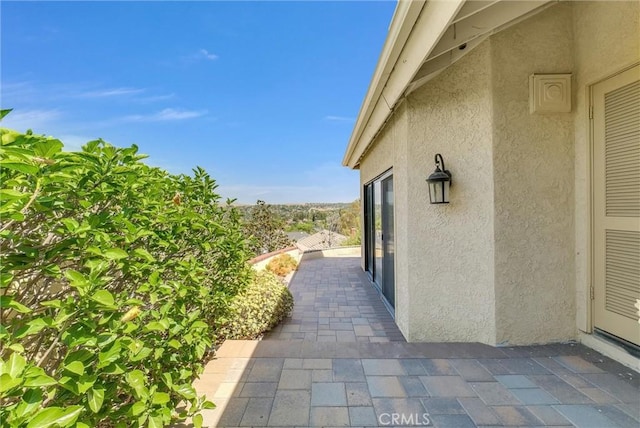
point(379, 245)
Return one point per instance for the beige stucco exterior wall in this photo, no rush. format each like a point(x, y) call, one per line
point(533, 182)
point(390, 151)
point(508, 261)
point(451, 246)
point(607, 41)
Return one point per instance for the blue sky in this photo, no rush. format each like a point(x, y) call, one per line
point(263, 95)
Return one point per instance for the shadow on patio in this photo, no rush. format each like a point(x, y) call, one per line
point(340, 360)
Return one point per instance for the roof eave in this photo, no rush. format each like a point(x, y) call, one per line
point(403, 53)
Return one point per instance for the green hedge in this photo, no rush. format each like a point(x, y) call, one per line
point(113, 276)
point(259, 308)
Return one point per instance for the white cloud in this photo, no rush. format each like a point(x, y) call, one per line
point(339, 118)
point(168, 114)
point(16, 90)
point(205, 54)
point(198, 56)
point(36, 119)
point(114, 92)
point(154, 98)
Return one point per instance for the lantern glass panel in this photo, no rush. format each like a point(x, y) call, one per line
point(445, 197)
point(439, 192)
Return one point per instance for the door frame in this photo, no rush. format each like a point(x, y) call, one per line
point(591, 261)
point(368, 236)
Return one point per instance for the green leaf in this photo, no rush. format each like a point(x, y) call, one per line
point(9, 302)
point(75, 367)
point(158, 353)
point(141, 252)
point(155, 422)
point(5, 112)
point(208, 405)
point(94, 250)
point(71, 224)
point(174, 344)
point(36, 377)
point(154, 278)
point(53, 270)
point(17, 216)
point(32, 327)
point(167, 379)
point(40, 381)
point(160, 398)
point(17, 347)
point(5, 280)
point(46, 417)
point(56, 303)
point(197, 420)
point(85, 383)
point(185, 390)
point(157, 326)
point(110, 355)
point(80, 355)
point(136, 380)
point(115, 254)
point(8, 194)
point(114, 369)
point(15, 365)
point(31, 400)
point(55, 416)
point(21, 167)
point(75, 278)
point(47, 148)
point(143, 353)
point(138, 407)
point(95, 397)
point(104, 297)
point(70, 384)
point(7, 382)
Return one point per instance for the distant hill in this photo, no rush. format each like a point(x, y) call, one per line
point(313, 217)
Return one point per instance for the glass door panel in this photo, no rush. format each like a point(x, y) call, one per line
point(377, 231)
point(388, 242)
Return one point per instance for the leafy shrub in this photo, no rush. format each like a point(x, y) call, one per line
point(281, 265)
point(259, 308)
point(112, 275)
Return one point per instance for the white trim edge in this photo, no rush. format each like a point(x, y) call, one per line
point(610, 350)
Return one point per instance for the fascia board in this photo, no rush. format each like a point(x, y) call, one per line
point(432, 22)
point(402, 22)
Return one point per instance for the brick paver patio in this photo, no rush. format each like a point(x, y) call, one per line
point(341, 361)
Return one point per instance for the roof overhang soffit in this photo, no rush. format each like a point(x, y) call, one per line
point(441, 33)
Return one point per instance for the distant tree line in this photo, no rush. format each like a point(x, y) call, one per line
point(266, 224)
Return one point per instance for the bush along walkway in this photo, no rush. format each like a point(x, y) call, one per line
point(340, 361)
point(114, 278)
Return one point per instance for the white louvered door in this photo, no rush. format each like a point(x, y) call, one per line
point(616, 204)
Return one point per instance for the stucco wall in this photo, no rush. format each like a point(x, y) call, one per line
point(390, 151)
point(508, 260)
point(606, 41)
point(451, 246)
point(533, 182)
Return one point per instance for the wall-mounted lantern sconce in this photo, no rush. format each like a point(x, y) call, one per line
point(439, 182)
